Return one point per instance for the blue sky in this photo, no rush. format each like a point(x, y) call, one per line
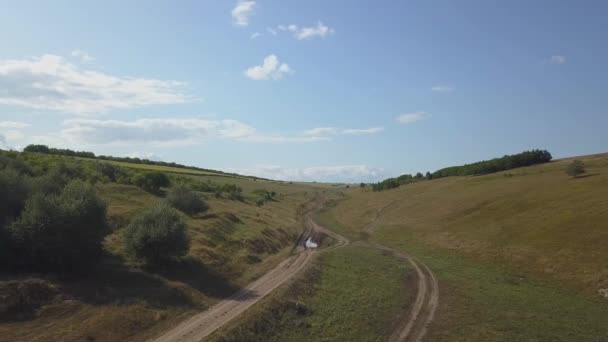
point(306, 90)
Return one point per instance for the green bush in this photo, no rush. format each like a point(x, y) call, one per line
point(151, 181)
point(14, 191)
point(575, 168)
point(157, 235)
point(61, 232)
point(10, 161)
point(182, 198)
point(113, 173)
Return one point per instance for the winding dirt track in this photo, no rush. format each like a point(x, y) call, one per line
point(413, 327)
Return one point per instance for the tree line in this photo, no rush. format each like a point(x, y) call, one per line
point(84, 154)
point(507, 162)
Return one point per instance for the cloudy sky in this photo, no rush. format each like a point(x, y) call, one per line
point(306, 90)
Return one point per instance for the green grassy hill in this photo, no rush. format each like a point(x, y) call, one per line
point(231, 244)
point(520, 255)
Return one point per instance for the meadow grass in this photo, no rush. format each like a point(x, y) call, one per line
point(519, 255)
point(354, 293)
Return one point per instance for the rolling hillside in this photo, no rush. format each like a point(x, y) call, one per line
point(520, 255)
point(231, 244)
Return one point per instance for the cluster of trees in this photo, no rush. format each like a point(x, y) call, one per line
point(526, 158)
point(52, 220)
point(67, 152)
point(48, 222)
point(396, 182)
point(507, 162)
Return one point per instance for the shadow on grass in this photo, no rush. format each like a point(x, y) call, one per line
point(113, 282)
point(198, 276)
point(586, 175)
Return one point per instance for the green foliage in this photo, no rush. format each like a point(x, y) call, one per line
point(507, 162)
point(37, 149)
point(14, 191)
point(10, 160)
point(151, 181)
point(386, 184)
point(60, 232)
point(182, 198)
point(158, 234)
point(112, 173)
point(233, 192)
point(576, 168)
point(264, 196)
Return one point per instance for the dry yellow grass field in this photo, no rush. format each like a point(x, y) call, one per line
point(520, 255)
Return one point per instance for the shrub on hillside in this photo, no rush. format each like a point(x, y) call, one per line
point(182, 198)
point(10, 161)
point(14, 191)
point(151, 181)
point(60, 232)
point(112, 173)
point(157, 235)
point(575, 168)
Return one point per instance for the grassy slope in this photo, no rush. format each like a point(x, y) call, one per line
point(350, 294)
point(232, 244)
point(518, 258)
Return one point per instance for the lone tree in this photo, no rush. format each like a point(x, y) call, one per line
point(157, 235)
point(575, 168)
point(182, 198)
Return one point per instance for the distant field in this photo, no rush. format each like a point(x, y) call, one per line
point(354, 293)
point(159, 168)
point(520, 255)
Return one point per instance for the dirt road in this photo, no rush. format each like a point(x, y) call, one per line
point(202, 325)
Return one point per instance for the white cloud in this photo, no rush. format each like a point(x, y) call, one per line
point(301, 33)
point(162, 131)
point(332, 131)
point(241, 12)
point(167, 132)
point(331, 173)
point(144, 155)
point(442, 88)
point(357, 131)
point(271, 68)
point(314, 31)
point(274, 139)
point(271, 31)
point(13, 124)
point(557, 59)
point(255, 35)
point(52, 83)
point(13, 135)
point(3, 144)
point(179, 131)
point(408, 118)
point(84, 56)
